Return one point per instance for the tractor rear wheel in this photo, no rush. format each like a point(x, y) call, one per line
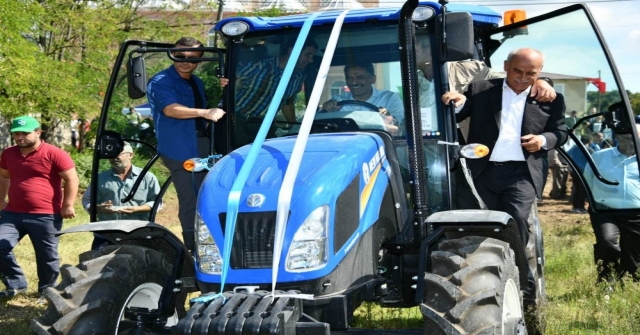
point(93, 296)
point(473, 288)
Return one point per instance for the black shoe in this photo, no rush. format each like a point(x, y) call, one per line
point(12, 292)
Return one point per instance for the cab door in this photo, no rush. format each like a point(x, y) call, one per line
point(602, 148)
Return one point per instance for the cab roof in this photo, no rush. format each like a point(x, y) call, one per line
point(480, 14)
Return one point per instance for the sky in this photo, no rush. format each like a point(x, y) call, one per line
point(618, 20)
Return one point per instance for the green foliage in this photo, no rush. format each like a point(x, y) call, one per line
point(634, 98)
point(213, 91)
point(609, 98)
point(604, 100)
point(56, 58)
point(266, 12)
point(83, 161)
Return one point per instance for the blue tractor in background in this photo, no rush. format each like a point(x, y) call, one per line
point(299, 223)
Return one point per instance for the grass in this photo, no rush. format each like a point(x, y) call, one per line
point(576, 305)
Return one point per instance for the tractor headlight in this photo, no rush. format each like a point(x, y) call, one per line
point(422, 14)
point(208, 257)
point(309, 247)
point(235, 28)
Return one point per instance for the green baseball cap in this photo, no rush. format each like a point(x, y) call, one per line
point(24, 124)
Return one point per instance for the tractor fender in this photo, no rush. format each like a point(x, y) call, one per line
point(149, 235)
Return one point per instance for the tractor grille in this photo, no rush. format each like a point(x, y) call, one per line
point(253, 240)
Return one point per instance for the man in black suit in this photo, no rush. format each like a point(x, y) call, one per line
point(518, 131)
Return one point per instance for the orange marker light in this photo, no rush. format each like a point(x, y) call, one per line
point(513, 16)
point(189, 165)
point(481, 150)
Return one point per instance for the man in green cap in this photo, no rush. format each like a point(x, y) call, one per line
point(31, 174)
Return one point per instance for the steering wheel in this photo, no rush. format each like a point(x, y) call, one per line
point(370, 106)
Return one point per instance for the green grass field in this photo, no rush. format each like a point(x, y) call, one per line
point(576, 305)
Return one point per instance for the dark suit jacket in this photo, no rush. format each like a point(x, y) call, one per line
point(484, 104)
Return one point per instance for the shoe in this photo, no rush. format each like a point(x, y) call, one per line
point(579, 211)
point(12, 292)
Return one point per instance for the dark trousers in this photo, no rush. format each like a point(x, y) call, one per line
point(187, 185)
point(42, 230)
point(559, 175)
point(578, 193)
point(508, 188)
point(617, 245)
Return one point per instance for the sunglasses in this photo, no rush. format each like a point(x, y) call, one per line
point(186, 57)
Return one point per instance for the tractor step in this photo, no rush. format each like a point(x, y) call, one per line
point(248, 313)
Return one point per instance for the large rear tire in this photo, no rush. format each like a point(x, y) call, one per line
point(535, 304)
point(93, 296)
point(473, 288)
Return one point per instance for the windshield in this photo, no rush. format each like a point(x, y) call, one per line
point(601, 148)
point(362, 91)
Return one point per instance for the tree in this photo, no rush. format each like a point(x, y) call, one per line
point(608, 98)
point(56, 58)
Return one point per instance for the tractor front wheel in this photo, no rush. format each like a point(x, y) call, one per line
point(473, 288)
point(94, 295)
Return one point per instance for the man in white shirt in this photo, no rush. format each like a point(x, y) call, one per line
point(360, 78)
point(518, 131)
point(460, 74)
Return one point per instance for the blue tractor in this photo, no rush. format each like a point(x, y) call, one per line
point(301, 220)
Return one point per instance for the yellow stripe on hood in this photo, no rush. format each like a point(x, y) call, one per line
point(366, 192)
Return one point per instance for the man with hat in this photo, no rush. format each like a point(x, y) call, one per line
point(114, 185)
point(31, 174)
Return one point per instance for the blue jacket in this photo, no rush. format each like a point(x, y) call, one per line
point(176, 137)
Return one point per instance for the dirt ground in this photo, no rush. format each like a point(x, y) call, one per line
point(557, 210)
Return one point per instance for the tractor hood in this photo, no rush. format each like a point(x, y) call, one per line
point(330, 163)
point(342, 172)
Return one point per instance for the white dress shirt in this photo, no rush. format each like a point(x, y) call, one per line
point(508, 147)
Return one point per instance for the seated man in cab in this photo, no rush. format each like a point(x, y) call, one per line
point(360, 78)
point(114, 185)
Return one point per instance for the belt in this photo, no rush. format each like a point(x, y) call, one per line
point(505, 162)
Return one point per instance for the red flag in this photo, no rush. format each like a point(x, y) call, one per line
point(597, 82)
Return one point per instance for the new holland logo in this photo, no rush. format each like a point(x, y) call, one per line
point(255, 200)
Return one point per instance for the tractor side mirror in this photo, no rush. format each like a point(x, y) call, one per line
point(110, 145)
point(459, 32)
point(136, 77)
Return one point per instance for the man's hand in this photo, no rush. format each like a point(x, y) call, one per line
point(331, 106)
point(390, 125)
point(531, 143)
point(457, 98)
point(105, 207)
point(129, 209)
point(67, 212)
point(224, 82)
point(213, 114)
point(543, 92)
